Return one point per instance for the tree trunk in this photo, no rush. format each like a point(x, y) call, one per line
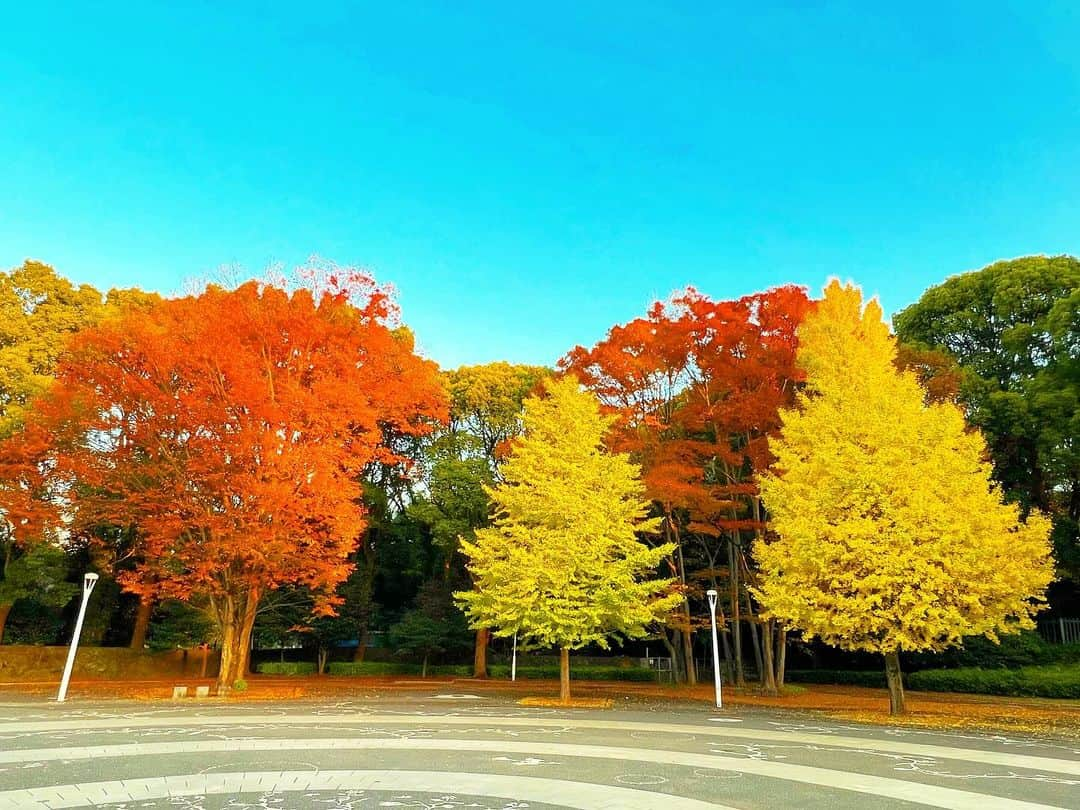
point(236, 619)
point(4, 611)
point(142, 622)
point(480, 669)
point(673, 654)
point(688, 656)
point(564, 675)
point(228, 620)
point(687, 637)
point(781, 658)
point(736, 623)
point(768, 672)
point(251, 608)
point(324, 653)
point(894, 678)
point(361, 647)
point(752, 622)
point(423, 667)
point(755, 642)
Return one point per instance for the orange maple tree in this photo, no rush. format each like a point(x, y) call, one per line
point(231, 430)
point(698, 385)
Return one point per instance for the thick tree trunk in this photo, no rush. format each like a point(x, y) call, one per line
point(895, 681)
point(251, 608)
point(361, 647)
point(142, 622)
point(564, 675)
point(323, 654)
point(236, 619)
point(480, 669)
point(227, 622)
point(4, 611)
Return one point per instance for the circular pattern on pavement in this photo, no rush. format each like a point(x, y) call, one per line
point(430, 753)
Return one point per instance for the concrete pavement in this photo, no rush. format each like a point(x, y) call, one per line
point(450, 750)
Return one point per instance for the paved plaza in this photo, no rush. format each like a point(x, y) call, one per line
point(446, 751)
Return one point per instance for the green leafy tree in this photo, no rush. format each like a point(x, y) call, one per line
point(563, 565)
point(357, 612)
point(181, 625)
point(463, 460)
point(39, 310)
point(434, 626)
point(101, 611)
point(1014, 329)
point(40, 575)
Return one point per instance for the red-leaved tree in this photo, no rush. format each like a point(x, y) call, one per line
point(231, 430)
point(698, 385)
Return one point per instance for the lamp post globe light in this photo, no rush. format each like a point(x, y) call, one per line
point(711, 593)
point(89, 581)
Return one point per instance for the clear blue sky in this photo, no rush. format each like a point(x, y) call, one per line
point(528, 177)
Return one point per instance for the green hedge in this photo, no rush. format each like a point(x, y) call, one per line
point(841, 677)
point(585, 672)
point(1024, 649)
point(377, 668)
point(286, 668)
point(1047, 682)
point(580, 673)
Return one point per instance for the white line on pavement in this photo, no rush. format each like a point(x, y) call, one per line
point(529, 788)
point(879, 786)
point(998, 758)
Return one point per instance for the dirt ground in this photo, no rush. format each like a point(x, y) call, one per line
point(932, 710)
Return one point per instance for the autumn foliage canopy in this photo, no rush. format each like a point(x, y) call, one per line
point(232, 429)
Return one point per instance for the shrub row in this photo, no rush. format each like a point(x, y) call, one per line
point(586, 672)
point(581, 673)
point(1023, 649)
point(286, 668)
point(1048, 682)
point(1056, 681)
point(374, 668)
point(1060, 681)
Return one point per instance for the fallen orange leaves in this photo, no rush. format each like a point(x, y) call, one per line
point(929, 710)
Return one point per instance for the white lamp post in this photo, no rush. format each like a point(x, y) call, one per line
point(89, 581)
point(513, 661)
point(715, 650)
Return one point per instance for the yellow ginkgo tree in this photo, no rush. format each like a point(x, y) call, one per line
point(563, 564)
point(888, 535)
